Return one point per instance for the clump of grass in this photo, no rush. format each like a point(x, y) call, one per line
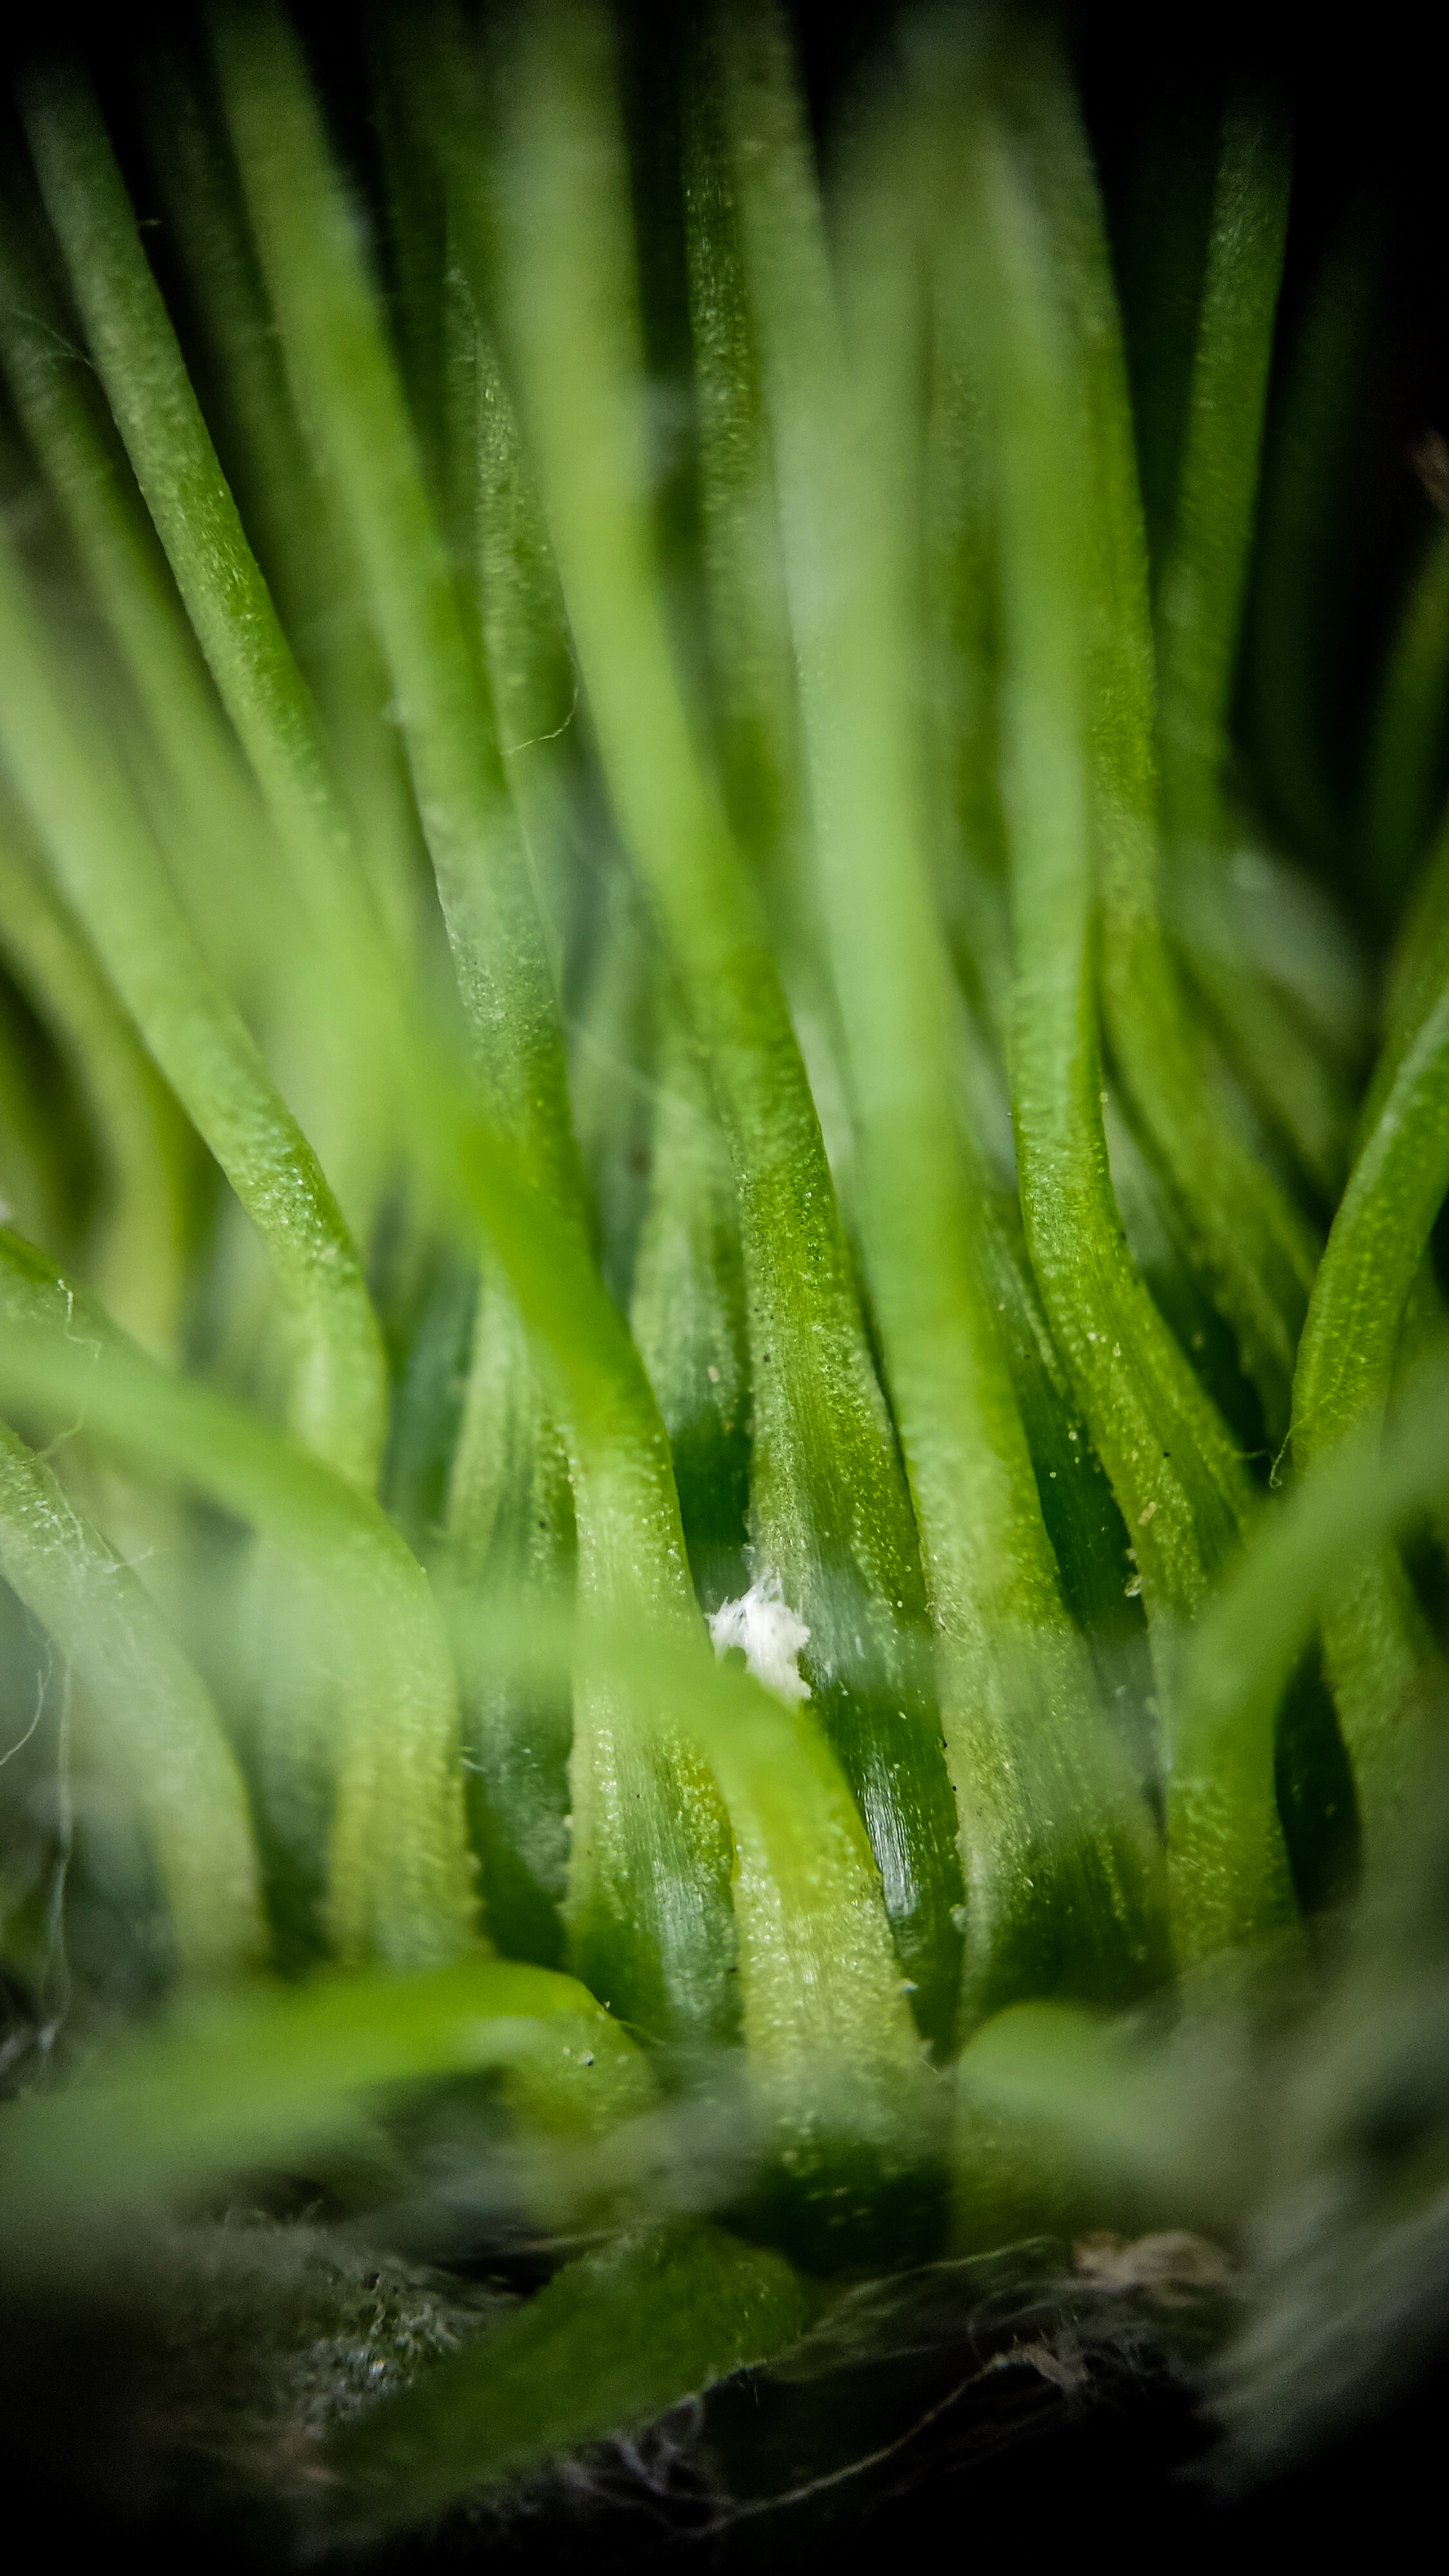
point(699, 1338)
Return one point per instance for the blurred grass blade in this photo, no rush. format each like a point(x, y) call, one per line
point(161, 1741)
point(265, 2075)
point(1404, 776)
point(1377, 1648)
point(399, 1879)
point(643, 1818)
point(351, 408)
point(115, 876)
point(1308, 459)
point(144, 1233)
point(1200, 597)
point(76, 449)
point(1225, 1857)
point(1073, 2126)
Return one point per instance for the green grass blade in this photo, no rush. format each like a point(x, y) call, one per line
point(1307, 472)
point(351, 406)
point(342, 1077)
point(1376, 1647)
point(814, 1970)
point(687, 1315)
point(756, 714)
point(611, 2343)
point(1404, 769)
point(527, 651)
point(509, 1539)
point(649, 1922)
point(1070, 2126)
point(36, 1184)
point(844, 2106)
point(400, 1884)
point(236, 2083)
point(114, 876)
point(162, 1748)
point(1046, 1801)
point(1225, 1856)
point(141, 366)
point(287, 514)
point(146, 1225)
point(1204, 579)
point(76, 449)
point(1251, 1248)
point(830, 1514)
point(849, 2118)
point(1180, 1486)
point(1417, 973)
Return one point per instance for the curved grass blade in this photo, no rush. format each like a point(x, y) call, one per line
point(611, 2343)
point(687, 1315)
point(1069, 2125)
point(1299, 1084)
point(146, 1224)
point(155, 408)
point(1252, 1249)
point(1046, 1800)
point(161, 1741)
point(292, 525)
point(234, 2083)
point(1417, 974)
point(753, 675)
point(334, 1056)
point(639, 1807)
point(1376, 1646)
point(375, 1767)
point(37, 1184)
point(830, 1514)
point(817, 1983)
point(1226, 1864)
point(116, 879)
point(75, 447)
point(351, 407)
point(1178, 1481)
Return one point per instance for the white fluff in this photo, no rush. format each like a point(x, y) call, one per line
point(771, 1634)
